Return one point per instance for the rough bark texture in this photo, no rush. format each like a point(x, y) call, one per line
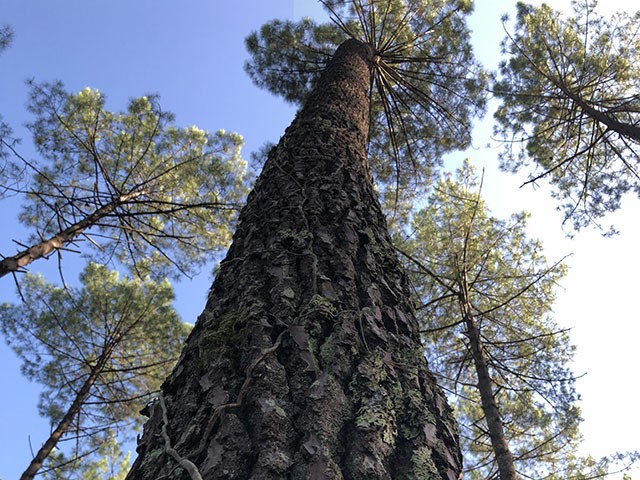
point(306, 363)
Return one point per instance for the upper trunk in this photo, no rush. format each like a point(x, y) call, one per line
point(605, 117)
point(306, 362)
point(67, 421)
point(503, 455)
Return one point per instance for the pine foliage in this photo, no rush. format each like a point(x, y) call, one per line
point(570, 93)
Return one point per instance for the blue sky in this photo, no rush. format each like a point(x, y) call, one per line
point(192, 54)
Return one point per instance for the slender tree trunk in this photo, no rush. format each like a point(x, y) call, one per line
point(306, 362)
point(66, 422)
point(503, 455)
point(59, 240)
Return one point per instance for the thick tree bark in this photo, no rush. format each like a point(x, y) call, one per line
point(306, 362)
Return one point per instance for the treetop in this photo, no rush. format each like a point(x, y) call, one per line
point(426, 86)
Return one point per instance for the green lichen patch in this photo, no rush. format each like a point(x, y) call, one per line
point(378, 418)
point(378, 395)
point(414, 414)
point(423, 466)
point(271, 405)
point(320, 304)
point(317, 315)
point(229, 329)
point(295, 240)
point(288, 293)
point(341, 346)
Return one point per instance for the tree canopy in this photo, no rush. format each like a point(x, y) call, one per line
point(106, 462)
point(132, 185)
point(474, 271)
point(570, 93)
point(6, 37)
point(100, 351)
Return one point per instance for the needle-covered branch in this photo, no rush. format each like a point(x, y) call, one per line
point(173, 192)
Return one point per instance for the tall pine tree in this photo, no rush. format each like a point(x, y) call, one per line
point(129, 186)
point(306, 362)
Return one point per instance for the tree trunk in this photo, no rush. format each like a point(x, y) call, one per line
point(306, 362)
point(66, 422)
point(503, 455)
